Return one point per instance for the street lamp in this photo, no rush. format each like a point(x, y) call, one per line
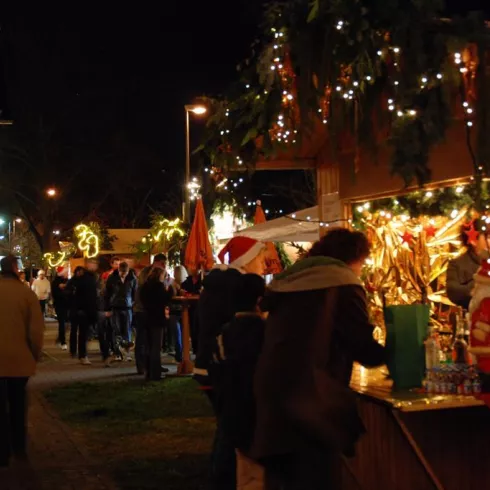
point(198, 110)
point(51, 192)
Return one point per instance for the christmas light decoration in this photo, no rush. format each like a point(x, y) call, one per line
point(54, 260)
point(88, 241)
point(169, 229)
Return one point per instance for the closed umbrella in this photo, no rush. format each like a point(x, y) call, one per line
point(199, 254)
point(198, 257)
point(272, 261)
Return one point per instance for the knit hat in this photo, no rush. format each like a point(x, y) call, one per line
point(482, 276)
point(241, 251)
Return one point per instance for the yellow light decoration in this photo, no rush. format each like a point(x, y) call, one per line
point(169, 229)
point(88, 241)
point(54, 261)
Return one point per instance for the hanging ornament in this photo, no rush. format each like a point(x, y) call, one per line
point(430, 231)
point(471, 232)
point(407, 237)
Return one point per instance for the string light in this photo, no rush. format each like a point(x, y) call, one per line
point(194, 187)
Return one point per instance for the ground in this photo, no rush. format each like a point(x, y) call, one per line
point(98, 428)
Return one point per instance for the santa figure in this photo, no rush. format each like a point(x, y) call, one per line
point(479, 310)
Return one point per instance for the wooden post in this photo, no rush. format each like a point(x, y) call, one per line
point(328, 183)
point(186, 366)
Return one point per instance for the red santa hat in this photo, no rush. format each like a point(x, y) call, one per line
point(482, 276)
point(241, 251)
point(59, 269)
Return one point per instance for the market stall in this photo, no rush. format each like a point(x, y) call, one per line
point(418, 441)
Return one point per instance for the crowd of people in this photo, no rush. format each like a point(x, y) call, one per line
point(116, 306)
point(275, 362)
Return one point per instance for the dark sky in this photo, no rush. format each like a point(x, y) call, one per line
point(137, 67)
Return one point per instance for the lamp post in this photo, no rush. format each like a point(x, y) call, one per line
point(199, 110)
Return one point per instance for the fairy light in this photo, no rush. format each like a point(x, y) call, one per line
point(194, 187)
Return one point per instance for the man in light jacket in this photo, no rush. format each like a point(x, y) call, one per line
point(42, 287)
point(21, 334)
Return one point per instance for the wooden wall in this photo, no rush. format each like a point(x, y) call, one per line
point(449, 161)
point(454, 442)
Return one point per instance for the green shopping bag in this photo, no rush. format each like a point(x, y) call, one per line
point(406, 331)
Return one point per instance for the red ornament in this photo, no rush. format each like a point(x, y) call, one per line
point(472, 235)
point(407, 237)
point(430, 231)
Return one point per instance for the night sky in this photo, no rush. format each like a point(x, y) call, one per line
point(120, 78)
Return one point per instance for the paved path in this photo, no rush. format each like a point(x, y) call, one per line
point(57, 462)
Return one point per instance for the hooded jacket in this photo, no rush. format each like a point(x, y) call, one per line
point(317, 323)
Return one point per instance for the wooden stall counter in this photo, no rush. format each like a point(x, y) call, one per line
point(416, 441)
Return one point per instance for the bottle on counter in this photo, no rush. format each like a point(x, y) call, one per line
point(432, 351)
point(460, 348)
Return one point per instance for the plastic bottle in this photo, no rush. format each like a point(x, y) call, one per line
point(460, 349)
point(432, 349)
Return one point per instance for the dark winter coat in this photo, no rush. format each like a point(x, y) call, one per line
point(60, 298)
point(120, 295)
point(232, 372)
point(459, 279)
point(82, 291)
point(155, 297)
point(215, 309)
point(190, 286)
point(317, 327)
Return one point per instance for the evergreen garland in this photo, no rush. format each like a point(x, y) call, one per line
point(358, 67)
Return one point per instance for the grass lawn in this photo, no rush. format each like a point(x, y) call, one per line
point(155, 435)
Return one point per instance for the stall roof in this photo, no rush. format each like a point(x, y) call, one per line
point(286, 229)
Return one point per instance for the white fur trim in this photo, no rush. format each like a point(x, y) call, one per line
point(479, 335)
point(481, 279)
point(248, 256)
point(479, 350)
point(483, 326)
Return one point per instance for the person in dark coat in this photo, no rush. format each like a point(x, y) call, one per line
point(82, 289)
point(215, 309)
point(61, 304)
point(155, 298)
point(120, 295)
point(317, 327)
point(193, 285)
point(232, 373)
point(460, 271)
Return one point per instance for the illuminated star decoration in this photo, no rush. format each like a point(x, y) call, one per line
point(88, 241)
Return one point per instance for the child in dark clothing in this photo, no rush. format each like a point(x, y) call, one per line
point(235, 357)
